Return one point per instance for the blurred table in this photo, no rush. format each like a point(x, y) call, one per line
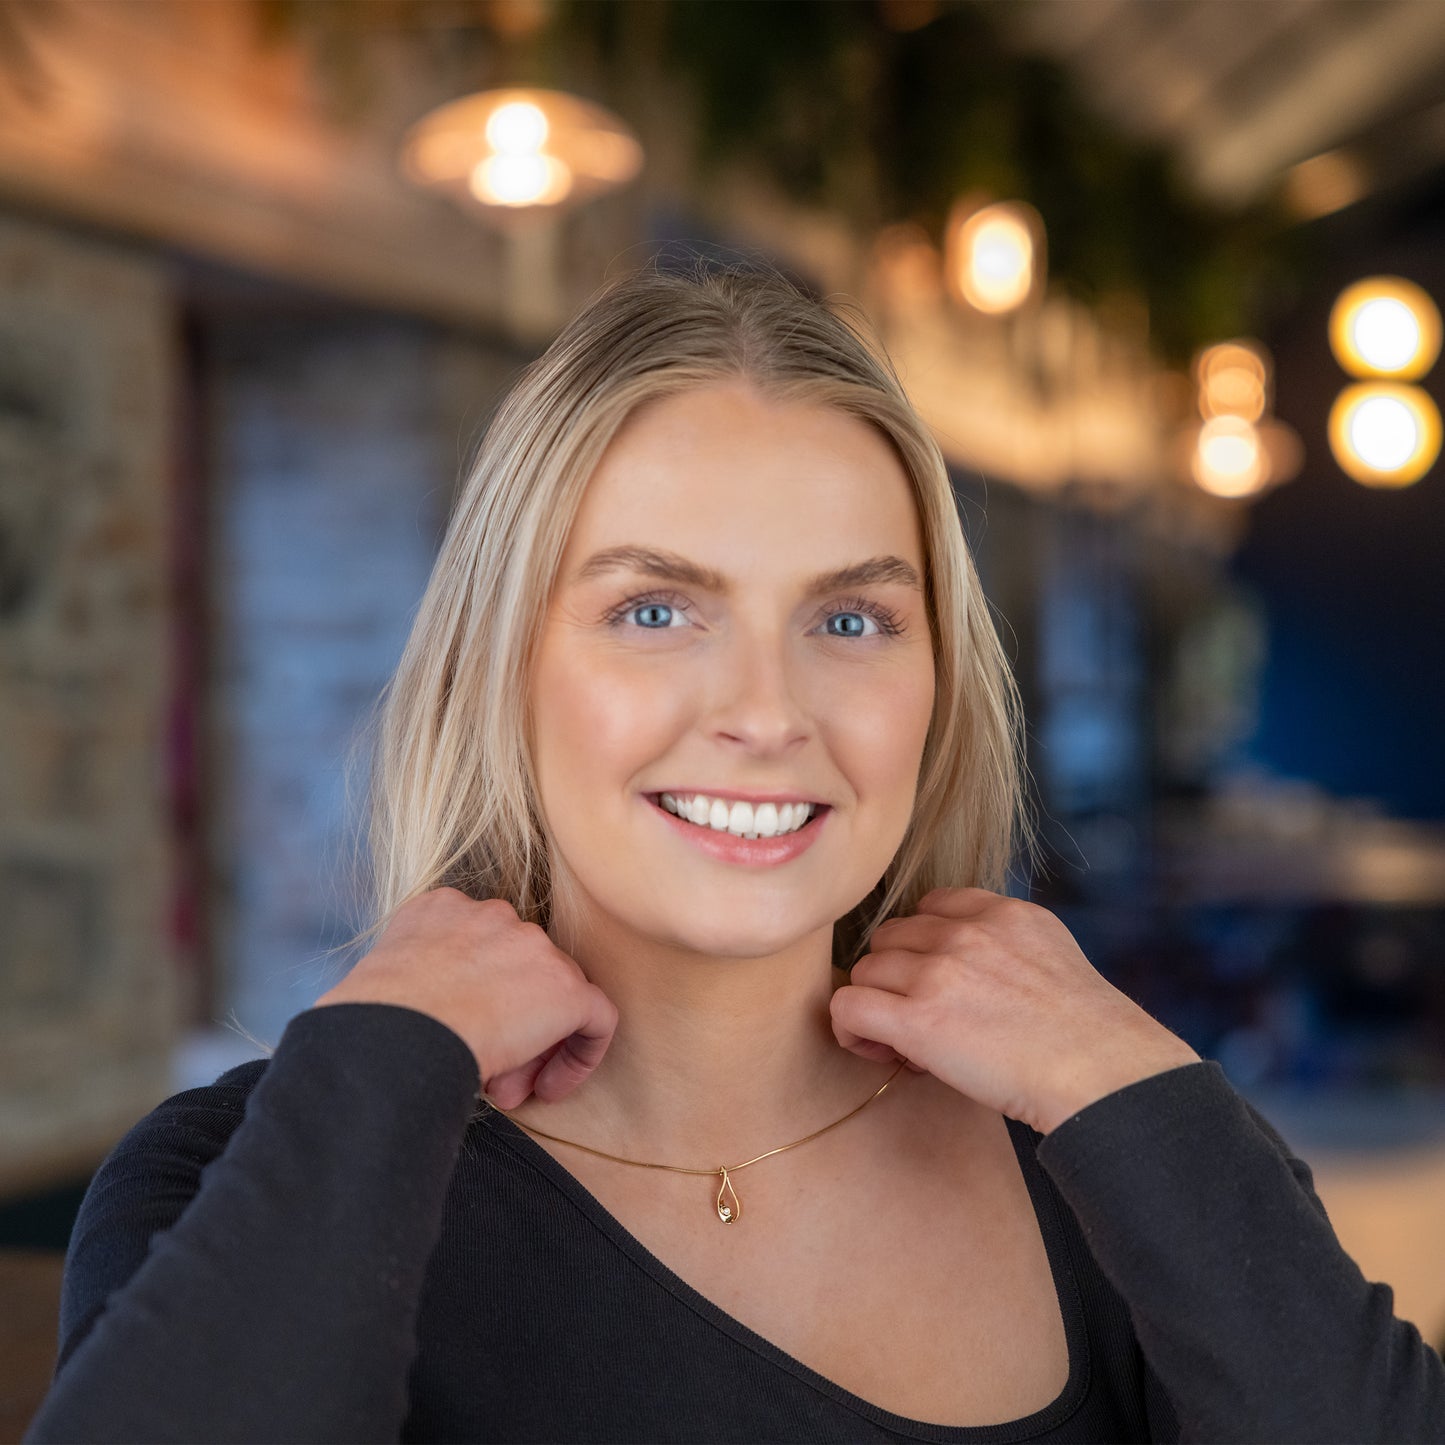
point(1378, 1159)
point(29, 1321)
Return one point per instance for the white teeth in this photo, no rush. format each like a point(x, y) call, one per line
point(767, 820)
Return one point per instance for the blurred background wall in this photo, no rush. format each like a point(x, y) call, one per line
point(250, 332)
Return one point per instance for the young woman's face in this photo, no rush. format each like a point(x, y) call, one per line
point(742, 679)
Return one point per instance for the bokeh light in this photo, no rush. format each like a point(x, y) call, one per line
point(1385, 326)
point(1383, 434)
point(994, 255)
point(1230, 458)
point(519, 149)
point(1233, 380)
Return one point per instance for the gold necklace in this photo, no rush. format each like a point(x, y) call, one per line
point(732, 1210)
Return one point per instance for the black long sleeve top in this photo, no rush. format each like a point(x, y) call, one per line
point(331, 1245)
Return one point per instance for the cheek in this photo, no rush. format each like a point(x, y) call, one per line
point(883, 728)
point(597, 722)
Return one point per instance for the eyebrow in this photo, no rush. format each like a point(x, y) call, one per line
point(673, 568)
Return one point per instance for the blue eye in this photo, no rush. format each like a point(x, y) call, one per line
point(888, 622)
point(652, 607)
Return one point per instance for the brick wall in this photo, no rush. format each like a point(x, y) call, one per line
point(89, 994)
point(335, 447)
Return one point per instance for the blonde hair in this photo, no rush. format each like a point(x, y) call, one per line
point(452, 798)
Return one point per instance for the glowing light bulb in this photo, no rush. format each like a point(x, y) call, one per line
point(516, 149)
point(519, 180)
point(1233, 380)
point(517, 128)
point(1229, 458)
point(994, 255)
point(1384, 432)
point(1386, 334)
point(1384, 435)
point(1385, 326)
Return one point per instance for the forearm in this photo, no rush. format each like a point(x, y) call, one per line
point(282, 1304)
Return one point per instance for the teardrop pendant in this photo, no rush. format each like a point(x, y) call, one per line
point(729, 1206)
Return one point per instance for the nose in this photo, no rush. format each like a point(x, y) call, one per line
point(756, 695)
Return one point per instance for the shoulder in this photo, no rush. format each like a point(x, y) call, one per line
point(165, 1151)
point(143, 1186)
point(193, 1125)
point(184, 1131)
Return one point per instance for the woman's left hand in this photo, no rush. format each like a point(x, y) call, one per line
point(992, 995)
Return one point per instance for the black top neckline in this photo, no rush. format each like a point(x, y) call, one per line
point(1046, 1212)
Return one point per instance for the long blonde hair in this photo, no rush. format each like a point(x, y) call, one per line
point(452, 797)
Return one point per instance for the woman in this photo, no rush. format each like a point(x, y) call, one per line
point(693, 794)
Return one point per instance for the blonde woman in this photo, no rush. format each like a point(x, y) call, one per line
point(694, 797)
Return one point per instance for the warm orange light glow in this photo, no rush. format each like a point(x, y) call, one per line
point(1384, 434)
point(1229, 457)
point(511, 150)
point(1325, 183)
point(1233, 380)
point(518, 127)
point(520, 180)
point(994, 255)
point(1385, 326)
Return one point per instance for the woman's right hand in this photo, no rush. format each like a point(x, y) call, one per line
point(533, 1020)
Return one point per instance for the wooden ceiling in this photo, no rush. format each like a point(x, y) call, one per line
point(1242, 90)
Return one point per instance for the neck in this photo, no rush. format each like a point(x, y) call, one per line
point(714, 1059)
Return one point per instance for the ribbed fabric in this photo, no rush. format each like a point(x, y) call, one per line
point(324, 1246)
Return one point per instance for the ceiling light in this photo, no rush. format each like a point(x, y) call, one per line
point(1384, 434)
point(1385, 326)
point(520, 150)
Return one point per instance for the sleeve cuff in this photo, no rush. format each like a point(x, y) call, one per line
point(1141, 1120)
point(417, 1054)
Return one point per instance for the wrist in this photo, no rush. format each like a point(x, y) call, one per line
point(1097, 1081)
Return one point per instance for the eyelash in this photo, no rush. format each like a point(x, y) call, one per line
point(889, 622)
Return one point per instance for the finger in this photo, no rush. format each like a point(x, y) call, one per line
point(870, 1049)
point(861, 1013)
point(574, 1060)
point(509, 1089)
point(893, 968)
point(920, 931)
point(957, 902)
point(514, 1091)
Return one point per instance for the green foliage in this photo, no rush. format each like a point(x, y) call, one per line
point(844, 111)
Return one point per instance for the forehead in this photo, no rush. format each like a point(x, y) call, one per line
point(731, 478)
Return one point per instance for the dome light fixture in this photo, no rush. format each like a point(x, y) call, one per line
point(517, 151)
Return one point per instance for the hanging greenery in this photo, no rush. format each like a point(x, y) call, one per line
point(883, 111)
point(846, 110)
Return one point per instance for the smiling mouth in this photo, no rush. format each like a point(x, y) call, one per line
point(815, 812)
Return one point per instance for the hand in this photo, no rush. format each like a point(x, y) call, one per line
point(533, 1020)
point(992, 995)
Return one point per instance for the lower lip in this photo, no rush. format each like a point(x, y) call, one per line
point(730, 848)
